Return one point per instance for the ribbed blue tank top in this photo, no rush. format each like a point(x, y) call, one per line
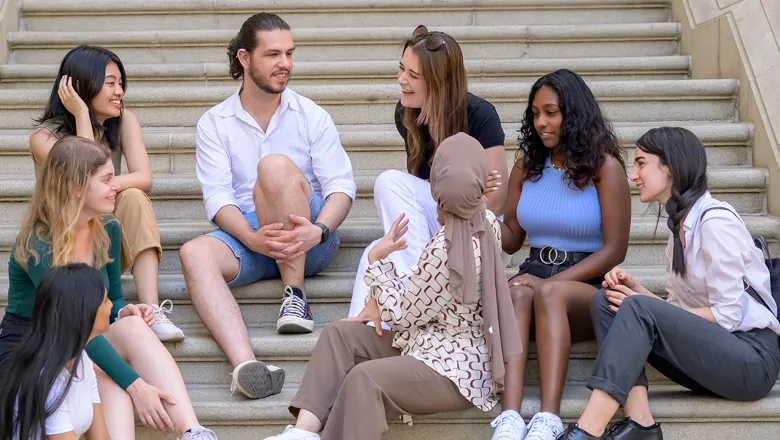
point(555, 214)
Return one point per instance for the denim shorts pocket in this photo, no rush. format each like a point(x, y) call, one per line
point(320, 257)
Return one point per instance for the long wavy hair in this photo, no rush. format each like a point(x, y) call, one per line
point(683, 153)
point(55, 206)
point(586, 135)
point(66, 305)
point(445, 112)
point(87, 66)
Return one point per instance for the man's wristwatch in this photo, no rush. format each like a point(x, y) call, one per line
point(325, 232)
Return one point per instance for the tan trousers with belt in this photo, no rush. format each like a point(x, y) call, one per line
point(356, 380)
point(140, 231)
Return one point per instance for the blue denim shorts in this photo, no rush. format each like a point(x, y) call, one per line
point(255, 267)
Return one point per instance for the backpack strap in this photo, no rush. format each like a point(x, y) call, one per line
point(759, 242)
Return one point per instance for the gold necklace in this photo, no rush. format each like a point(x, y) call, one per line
point(561, 168)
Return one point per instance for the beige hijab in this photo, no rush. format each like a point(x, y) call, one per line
point(458, 176)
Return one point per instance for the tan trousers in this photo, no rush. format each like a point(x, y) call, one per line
point(139, 226)
point(356, 380)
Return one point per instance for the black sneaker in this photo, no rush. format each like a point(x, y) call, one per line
point(628, 429)
point(573, 432)
point(295, 314)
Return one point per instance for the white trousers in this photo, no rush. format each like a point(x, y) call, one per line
point(397, 192)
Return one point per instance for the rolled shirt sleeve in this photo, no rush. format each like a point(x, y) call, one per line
point(212, 166)
point(725, 270)
point(330, 163)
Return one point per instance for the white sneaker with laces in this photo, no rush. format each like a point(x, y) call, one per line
point(293, 433)
point(163, 327)
point(509, 426)
point(544, 426)
point(199, 433)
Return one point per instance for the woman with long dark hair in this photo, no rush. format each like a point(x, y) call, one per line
point(48, 388)
point(69, 221)
point(435, 104)
point(568, 197)
point(717, 331)
point(87, 101)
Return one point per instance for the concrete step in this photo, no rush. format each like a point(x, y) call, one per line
point(683, 415)
point(370, 72)
point(622, 101)
point(179, 196)
point(373, 43)
point(53, 15)
point(378, 147)
point(647, 240)
point(329, 294)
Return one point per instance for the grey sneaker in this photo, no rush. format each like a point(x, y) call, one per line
point(199, 433)
point(257, 380)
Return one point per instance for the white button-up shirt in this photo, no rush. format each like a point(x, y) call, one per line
point(230, 143)
point(719, 255)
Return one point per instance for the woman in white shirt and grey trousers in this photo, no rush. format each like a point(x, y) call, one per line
point(712, 335)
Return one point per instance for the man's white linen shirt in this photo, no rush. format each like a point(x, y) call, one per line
point(230, 143)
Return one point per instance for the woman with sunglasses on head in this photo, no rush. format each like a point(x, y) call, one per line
point(48, 389)
point(569, 199)
point(717, 331)
point(69, 221)
point(435, 104)
point(87, 101)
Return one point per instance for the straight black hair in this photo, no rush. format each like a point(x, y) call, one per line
point(66, 304)
point(586, 135)
point(247, 38)
point(87, 66)
point(684, 154)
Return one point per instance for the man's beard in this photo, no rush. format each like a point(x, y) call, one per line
point(262, 84)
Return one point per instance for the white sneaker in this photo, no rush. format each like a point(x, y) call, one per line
point(509, 426)
point(293, 433)
point(163, 327)
point(544, 426)
point(199, 433)
point(257, 380)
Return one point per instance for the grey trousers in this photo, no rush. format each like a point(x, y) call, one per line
point(691, 351)
point(356, 380)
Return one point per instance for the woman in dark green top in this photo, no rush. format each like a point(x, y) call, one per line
point(68, 221)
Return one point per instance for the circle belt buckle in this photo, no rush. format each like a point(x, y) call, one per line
point(552, 256)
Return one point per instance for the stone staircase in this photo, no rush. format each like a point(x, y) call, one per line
point(174, 53)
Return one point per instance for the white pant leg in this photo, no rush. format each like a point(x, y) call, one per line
point(397, 192)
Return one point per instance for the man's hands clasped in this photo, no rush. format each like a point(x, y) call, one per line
point(286, 246)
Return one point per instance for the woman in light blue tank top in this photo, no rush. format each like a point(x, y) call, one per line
point(569, 171)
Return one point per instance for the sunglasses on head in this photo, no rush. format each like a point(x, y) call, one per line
point(433, 40)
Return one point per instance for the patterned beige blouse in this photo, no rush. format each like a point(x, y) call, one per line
point(430, 325)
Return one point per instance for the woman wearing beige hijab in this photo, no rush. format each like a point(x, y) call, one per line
point(453, 326)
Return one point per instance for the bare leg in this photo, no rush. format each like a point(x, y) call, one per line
point(145, 274)
point(638, 406)
point(308, 421)
point(598, 413)
point(562, 313)
point(522, 300)
point(117, 408)
point(207, 264)
point(281, 190)
point(139, 346)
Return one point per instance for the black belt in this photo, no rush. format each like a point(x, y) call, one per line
point(553, 257)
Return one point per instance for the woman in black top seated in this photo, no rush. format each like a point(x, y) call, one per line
point(435, 104)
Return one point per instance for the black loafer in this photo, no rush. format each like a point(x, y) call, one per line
point(628, 429)
point(573, 432)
